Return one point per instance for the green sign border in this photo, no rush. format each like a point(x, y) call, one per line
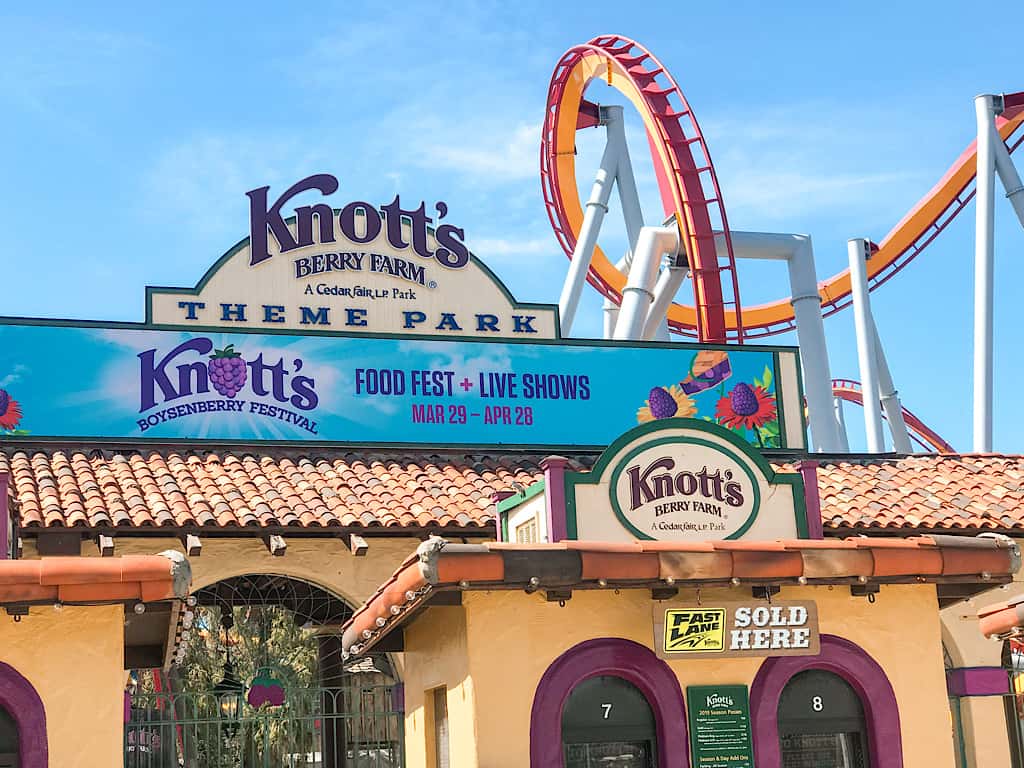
point(617, 473)
point(604, 461)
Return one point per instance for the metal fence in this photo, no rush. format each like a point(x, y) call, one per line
point(349, 727)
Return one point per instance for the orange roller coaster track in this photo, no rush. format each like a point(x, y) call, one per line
point(690, 193)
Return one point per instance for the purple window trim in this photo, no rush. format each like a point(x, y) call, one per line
point(977, 681)
point(631, 661)
point(812, 499)
point(23, 704)
point(5, 517)
point(554, 496)
point(856, 667)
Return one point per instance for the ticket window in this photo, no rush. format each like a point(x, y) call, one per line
point(608, 722)
point(821, 723)
point(8, 740)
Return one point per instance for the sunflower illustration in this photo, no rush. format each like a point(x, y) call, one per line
point(664, 403)
point(747, 407)
point(10, 411)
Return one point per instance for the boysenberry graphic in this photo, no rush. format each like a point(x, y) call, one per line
point(227, 370)
point(10, 411)
point(661, 403)
point(743, 400)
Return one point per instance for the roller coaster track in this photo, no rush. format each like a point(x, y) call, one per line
point(851, 391)
point(690, 192)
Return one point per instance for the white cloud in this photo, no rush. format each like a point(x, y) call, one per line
point(502, 246)
point(503, 157)
point(14, 376)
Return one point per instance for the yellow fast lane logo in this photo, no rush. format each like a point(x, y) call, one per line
point(695, 630)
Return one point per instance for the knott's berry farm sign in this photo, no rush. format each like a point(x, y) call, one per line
point(683, 480)
point(374, 324)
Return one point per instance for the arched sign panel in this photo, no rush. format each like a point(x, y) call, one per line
point(683, 480)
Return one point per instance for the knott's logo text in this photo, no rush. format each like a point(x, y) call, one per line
point(242, 387)
point(359, 222)
point(684, 490)
point(657, 482)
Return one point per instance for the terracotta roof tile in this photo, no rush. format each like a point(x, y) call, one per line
point(95, 579)
point(170, 487)
point(167, 487)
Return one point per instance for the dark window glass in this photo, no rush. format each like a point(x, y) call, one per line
point(608, 723)
point(8, 740)
point(821, 723)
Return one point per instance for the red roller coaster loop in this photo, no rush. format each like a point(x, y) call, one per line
point(690, 192)
point(686, 176)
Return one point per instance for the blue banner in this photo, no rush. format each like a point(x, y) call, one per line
point(138, 382)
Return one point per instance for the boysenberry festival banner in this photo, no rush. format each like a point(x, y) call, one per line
point(61, 380)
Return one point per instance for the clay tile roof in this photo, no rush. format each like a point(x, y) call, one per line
point(234, 487)
point(168, 487)
point(969, 565)
point(970, 492)
point(95, 579)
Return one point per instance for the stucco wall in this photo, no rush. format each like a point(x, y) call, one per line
point(511, 639)
point(74, 659)
point(440, 657)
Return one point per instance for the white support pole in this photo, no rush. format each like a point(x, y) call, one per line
point(858, 251)
point(844, 443)
point(798, 253)
point(984, 258)
point(651, 245)
point(890, 398)
point(1008, 175)
point(629, 198)
point(664, 292)
point(597, 207)
point(611, 315)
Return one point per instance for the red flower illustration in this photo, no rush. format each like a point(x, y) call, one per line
point(10, 411)
point(747, 407)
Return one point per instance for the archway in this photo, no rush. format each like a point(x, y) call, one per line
point(26, 717)
point(260, 680)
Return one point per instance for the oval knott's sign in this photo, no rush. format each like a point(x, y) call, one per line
point(685, 488)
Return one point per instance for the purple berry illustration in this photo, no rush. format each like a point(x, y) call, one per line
point(661, 403)
point(227, 370)
point(744, 401)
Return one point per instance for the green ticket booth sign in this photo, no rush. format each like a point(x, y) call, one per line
point(719, 719)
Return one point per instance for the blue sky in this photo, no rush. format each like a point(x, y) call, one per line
point(129, 139)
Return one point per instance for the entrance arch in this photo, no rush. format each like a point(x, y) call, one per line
point(261, 677)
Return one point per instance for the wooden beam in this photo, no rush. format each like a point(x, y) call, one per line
point(276, 544)
point(557, 595)
point(448, 597)
point(58, 543)
point(357, 545)
point(193, 546)
point(105, 544)
point(664, 593)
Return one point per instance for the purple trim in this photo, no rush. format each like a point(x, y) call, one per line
point(398, 698)
point(632, 662)
point(977, 681)
point(554, 496)
point(855, 666)
point(23, 704)
point(812, 500)
point(6, 527)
